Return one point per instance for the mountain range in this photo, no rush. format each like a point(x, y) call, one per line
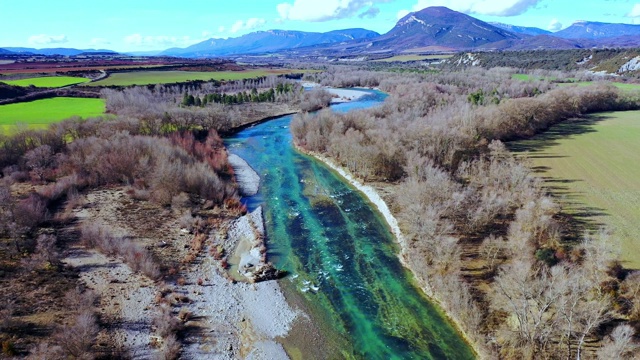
point(268, 41)
point(431, 29)
point(51, 51)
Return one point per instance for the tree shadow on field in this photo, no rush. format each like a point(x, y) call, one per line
point(583, 217)
point(551, 136)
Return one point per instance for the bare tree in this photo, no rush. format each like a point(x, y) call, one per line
point(39, 160)
point(619, 345)
point(77, 340)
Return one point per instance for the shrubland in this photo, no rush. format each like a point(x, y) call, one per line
point(212, 105)
point(483, 236)
point(165, 157)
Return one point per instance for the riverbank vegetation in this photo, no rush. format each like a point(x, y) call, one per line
point(521, 277)
point(115, 213)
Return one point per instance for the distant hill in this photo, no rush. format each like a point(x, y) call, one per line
point(597, 30)
point(57, 51)
point(533, 31)
point(538, 43)
point(144, 53)
point(268, 41)
point(6, 52)
point(431, 29)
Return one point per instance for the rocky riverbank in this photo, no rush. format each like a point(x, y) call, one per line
point(248, 180)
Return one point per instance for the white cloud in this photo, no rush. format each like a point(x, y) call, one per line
point(554, 25)
point(43, 39)
point(370, 13)
point(482, 7)
point(250, 24)
point(99, 42)
point(635, 12)
point(158, 41)
point(325, 10)
point(221, 29)
point(402, 13)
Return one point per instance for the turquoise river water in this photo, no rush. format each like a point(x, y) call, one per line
point(340, 254)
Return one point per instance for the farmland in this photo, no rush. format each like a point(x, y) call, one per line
point(622, 86)
point(591, 166)
point(48, 81)
point(166, 77)
point(570, 82)
point(407, 58)
point(39, 114)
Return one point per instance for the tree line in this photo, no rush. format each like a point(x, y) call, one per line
point(240, 97)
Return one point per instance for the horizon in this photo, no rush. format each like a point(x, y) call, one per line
point(155, 26)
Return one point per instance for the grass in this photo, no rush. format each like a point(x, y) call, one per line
point(571, 82)
point(40, 113)
point(48, 81)
point(592, 165)
point(622, 86)
point(522, 77)
point(166, 77)
point(407, 58)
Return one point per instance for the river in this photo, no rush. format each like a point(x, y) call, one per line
point(340, 254)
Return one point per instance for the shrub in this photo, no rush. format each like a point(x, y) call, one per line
point(30, 212)
point(137, 257)
point(165, 323)
point(8, 348)
point(6, 315)
point(77, 340)
point(170, 348)
point(44, 351)
point(39, 160)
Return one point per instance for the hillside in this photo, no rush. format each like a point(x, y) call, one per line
point(597, 30)
point(533, 31)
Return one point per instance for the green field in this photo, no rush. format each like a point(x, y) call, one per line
point(622, 86)
point(48, 81)
point(40, 113)
point(166, 77)
point(524, 77)
point(593, 166)
point(570, 82)
point(407, 58)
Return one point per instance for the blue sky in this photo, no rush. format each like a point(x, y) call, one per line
point(128, 25)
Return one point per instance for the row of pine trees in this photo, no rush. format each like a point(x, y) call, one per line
point(238, 98)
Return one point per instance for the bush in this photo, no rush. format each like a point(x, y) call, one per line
point(546, 256)
point(170, 348)
point(315, 99)
point(77, 340)
point(138, 258)
point(165, 323)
